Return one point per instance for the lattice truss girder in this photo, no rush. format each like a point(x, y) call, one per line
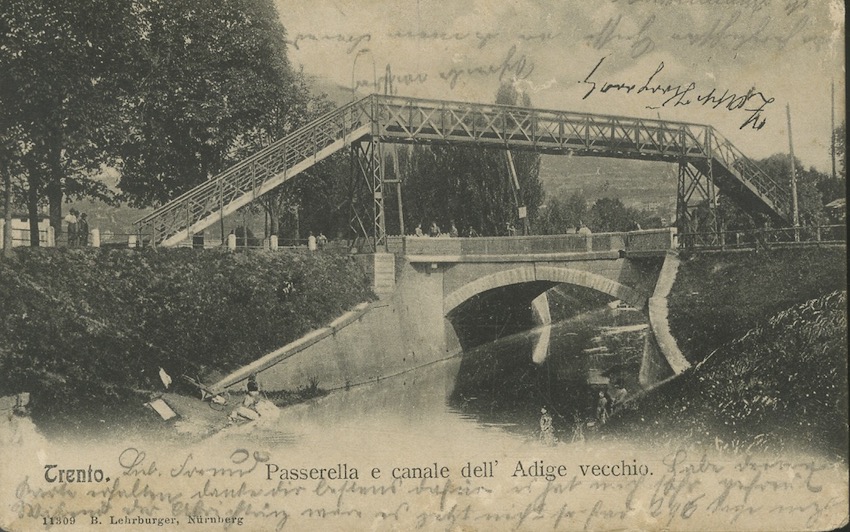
point(427, 120)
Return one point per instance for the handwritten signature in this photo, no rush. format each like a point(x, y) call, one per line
point(666, 95)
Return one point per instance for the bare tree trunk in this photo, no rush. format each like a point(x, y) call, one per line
point(7, 212)
point(54, 183)
point(274, 219)
point(32, 212)
point(54, 198)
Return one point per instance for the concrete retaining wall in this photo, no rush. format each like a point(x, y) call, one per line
point(658, 313)
point(405, 330)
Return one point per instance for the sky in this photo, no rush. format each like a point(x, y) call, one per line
point(732, 64)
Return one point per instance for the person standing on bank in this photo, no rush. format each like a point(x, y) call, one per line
point(83, 230)
point(602, 408)
point(311, 242)
point(71, 220)
point(547, 429)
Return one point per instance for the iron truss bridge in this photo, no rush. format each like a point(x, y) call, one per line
point(707, 161)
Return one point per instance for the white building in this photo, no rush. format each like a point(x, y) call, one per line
point(21, 231)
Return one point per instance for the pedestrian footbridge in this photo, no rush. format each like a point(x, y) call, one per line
point(706, 160)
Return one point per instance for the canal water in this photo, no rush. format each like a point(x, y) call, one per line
point(498, 388)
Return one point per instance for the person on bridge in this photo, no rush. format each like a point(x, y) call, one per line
point(418, 231)
point(453, 232)
point(511, 229)
point(434, 231)
point(471, 232)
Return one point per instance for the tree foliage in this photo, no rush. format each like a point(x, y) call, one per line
point(213, 84)
point(64, 65)
point(810, 185)
point(470, 186)
point(566, 214)
point(73, 340)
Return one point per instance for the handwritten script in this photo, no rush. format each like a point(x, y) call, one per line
point(683, 488)
point(668, 94)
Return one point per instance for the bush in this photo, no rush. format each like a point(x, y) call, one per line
point(780, 386)
point(717, 297)
point(90, 327)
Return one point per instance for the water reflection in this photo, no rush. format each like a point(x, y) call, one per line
point(499, 386)
point(559, 366)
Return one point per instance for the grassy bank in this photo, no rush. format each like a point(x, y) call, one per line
point(718, 297)
point(782, 385)
point(90, 329)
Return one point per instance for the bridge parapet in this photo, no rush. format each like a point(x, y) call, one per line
point(456, 249)
point(652, 240)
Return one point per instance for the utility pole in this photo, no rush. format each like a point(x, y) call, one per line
point(832, 131)
point(793, 177)
point(513, 182)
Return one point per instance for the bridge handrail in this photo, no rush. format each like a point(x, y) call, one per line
point(749, 171)
point(648, 240)
point(261, 154)
point(732, 238)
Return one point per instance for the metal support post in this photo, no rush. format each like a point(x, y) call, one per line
point(682, 215)
point(370, 162)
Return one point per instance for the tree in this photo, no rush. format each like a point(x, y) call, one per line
point(610, 215)
point(214, 84)
point(320, 194)
point(810, 200)
point(470, 186)
point(562, 215)
point(59, 95)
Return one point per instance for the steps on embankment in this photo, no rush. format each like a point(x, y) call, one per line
point(290, 349)
point(380, 269)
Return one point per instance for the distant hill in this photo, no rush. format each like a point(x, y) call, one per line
point(646, 185)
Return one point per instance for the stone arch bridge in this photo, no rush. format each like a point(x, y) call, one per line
point(637, 268)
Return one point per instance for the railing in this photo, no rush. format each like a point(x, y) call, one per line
point(653, 240)
point(259, 173)
point(748, 172)
point(765, 238)
point(540, 130)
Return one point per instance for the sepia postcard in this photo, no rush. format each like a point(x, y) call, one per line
point(423, 265)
